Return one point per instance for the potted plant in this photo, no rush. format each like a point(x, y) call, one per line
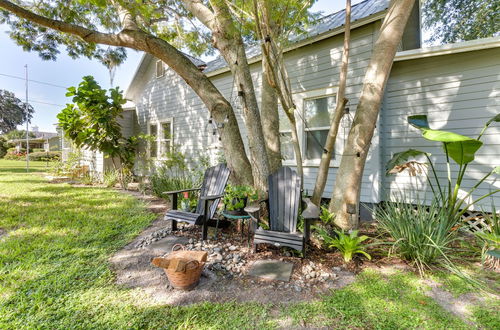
point(188, 202)
point(236, 199)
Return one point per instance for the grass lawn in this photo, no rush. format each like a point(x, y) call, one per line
point(54, 272)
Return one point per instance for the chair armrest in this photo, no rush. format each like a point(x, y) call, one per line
point(311, 211)
point(179, 191)
point(211, 197)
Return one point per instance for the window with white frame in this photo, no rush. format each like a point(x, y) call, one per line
point(161, 138)
point(160, 69)
point(317, 117)
point(153, 144)
point(287, 152)
point(165, 138)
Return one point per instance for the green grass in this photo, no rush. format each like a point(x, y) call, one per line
point(54, 272)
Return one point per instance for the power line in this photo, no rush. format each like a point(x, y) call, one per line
point(34, 81)
point(42, 102)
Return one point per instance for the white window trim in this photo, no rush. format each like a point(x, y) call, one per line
point(299, 99)
point(159, 136)
point(156, 69)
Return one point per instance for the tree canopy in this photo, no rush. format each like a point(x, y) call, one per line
point(13, 111)
point(460, 20)
point(18, 134)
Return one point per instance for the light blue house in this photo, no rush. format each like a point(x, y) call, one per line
point(457, 86)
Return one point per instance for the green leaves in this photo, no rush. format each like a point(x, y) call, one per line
point(13, 111)
point(460, 148)
point(457, 20)
point(494, 119)
point(400, 160)
point(91, 121)
point(494, 253)
point(349, 244)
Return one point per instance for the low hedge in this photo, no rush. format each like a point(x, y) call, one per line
point(51, 155)
point(43, 156)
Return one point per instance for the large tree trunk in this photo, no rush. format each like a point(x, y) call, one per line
point(134, 38)
point(345, 199)
point(227, 39)
point(277, 74)
point(329, 147)
point(270, 120)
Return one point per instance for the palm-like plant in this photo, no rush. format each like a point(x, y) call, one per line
point(459, 148)
point(348, 244)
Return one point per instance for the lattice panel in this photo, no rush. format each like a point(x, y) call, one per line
point(475, 221)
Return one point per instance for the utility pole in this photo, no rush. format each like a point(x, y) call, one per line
point(27, 122)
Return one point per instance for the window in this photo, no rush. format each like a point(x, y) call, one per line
point(160, 69)
point(165, 139)
point(153, 149)
point(287, 152)
point(317, 117)
point(161, 138)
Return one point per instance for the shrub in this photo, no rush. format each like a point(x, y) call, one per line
point(45, 156)
point(3, 146)
point(237, 197)
point(421, 233)
point(348, 244)
point(12, 154)
point(164, 180)
point(111, 178)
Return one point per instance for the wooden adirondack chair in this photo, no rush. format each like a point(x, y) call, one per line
point(211, 190)
point(283, 205)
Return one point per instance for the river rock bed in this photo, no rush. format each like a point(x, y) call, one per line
point(231, 258)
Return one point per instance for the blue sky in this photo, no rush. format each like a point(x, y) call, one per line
point(68, 72)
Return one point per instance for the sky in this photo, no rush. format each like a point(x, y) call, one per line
point(48, 100)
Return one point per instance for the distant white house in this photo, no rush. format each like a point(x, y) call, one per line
point(42, 141)
point(457, 86)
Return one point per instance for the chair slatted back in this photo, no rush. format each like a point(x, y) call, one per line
point(284, 199)
point(214, 183)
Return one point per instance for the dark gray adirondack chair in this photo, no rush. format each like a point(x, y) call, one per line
point(283, 205)
point(211, 190)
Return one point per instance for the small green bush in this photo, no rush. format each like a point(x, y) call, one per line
point(111, 178)
point(12, 154)
point(348, 244)
point(45, 156)
point(237, 197)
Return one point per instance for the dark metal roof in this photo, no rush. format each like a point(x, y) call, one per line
point(196, 61)
point(327, 23)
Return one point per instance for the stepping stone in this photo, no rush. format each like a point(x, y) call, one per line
point(271, 270)
point(165, 244)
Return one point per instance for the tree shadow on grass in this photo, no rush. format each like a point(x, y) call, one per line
point(374, 301)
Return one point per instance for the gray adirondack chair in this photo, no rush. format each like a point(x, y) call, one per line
point(211, 191)
point(283, 205)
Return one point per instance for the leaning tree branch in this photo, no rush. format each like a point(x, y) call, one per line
point(86, 34)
